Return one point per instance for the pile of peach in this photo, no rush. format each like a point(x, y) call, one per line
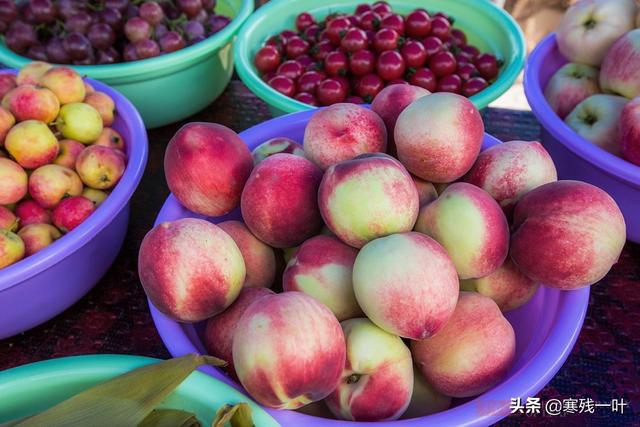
point(431, 246)
point(58, 156)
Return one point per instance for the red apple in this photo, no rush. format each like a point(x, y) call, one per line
point(14, 182)
point(569, 86)
point(30, 212)
point(36, 237)
point(71, 212)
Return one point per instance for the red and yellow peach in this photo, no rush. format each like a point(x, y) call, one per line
point(36, 237)
point(14, 182)
point(32, 144)
point(100, 167)
point(49, 184)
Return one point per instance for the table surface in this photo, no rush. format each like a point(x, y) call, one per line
point(114, 317)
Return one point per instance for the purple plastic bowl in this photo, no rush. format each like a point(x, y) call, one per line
point(43, 285)
point(574, 156)
point(546, 328)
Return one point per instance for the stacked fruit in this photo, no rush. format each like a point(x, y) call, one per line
point(106, 31)
point(598, 93)
point(59, 157)
point(353, 57)
point(378, 248)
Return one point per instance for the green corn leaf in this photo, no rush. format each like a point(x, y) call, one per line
point(237, 415)
point(170, 418)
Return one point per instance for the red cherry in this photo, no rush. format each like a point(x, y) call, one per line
point(370, 21)
point(424, 78)
point(369, 86)
point(442, 64)
point(355, 20)
point(296, 46)
point(312, 32)
point(337, 28)
point(371, 36)
point(386, 39)
point(304, 21)
point(382, 8)
point(307, 98)
point(487, 66)
point(353, 99)
point(459, 37)
point(283, 84)
point(323, 36)
point(451, 83)
point(362, 62)
point(268, 76)
point(336, 63)
point(330, 91)
point(307, 62)
point(267, 59)
point(414, 53)
point(463, 58)
point(321, 50)
point(473, 86)
point(432, 45)
point(362, 8)
point(275, 42)
point(344, 81)
point(417, 24)
point(442, 15)
point(291, 68)
point(470, 50)
point(467, 71)
point(354, 40)
point(393, 21)
point(309, 81)
point(390, 65)
point(397, 82)
point(285, 35)
point(440, 28)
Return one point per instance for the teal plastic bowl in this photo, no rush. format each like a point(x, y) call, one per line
point(30, 389)
point(486, 25)
point(170, 87)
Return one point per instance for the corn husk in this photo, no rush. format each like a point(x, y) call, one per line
point(170, 418)
point(122, 401)
point(237, 416)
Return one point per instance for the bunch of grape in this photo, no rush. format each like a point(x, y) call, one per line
point(105, 31)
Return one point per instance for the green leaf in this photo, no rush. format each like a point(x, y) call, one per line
point(170, 418)
point(237, 415)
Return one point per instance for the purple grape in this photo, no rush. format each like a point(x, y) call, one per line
point(216, 23)
point(38, 53)
point(27, 15)
point(170, 10)
point(120, 5)
point(193, 29)
point(20, 36)
point(43, 10)
point(196, 39)
point(101, 36)
point(79, 23)
point(56, 52)
point(112, 17)
point(171, 41)
point(209, 5)
point(77, 46)
point(189, 7)
point(151, 12)
point(129, 53)
point(109, 56)
point(147, 49)
point(132, 11)
point(89, 60)
point(201, 17)
point(68, 8)
point(3, 26)
point(137, 29)
point(160, 31)
point(8, 10)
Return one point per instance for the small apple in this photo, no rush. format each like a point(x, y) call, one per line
point(597, 119)
point(104, 104)
point(38, 236)
point(71, 212)
point(569, 86)
point(8, 220)
point(7, 82)
point(275, 146)
point(88, 88)
point(11, 248)
point(30, 212)
point(96, 196)
point(65, 83)
point(79, 121)
point(14, 182)
point(31, 73)
point(68, 153)
point(111, 138)
point(7, 120)
point(100, 167)
point(49, 184)
point(29, 102)
point(618, 73)
point(32, 144)
point(630, 131)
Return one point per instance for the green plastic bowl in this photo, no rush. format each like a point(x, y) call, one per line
point(170, 87)
point(486, 25)
point(33, 388)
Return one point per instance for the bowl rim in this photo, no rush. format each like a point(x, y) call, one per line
point(149, 65)
point(546, 362)
point(119, 198)
point(247, 73)
point(596, 156)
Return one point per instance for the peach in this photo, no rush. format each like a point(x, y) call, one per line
point(368, 197)
point(569, 86)
point(473, 351)
point(509, 170)
point(8, 220)
point(104, 104)
point(275, 146)
point(427, 192)
point(14, 182)
point(32, 144)
point(49, 184)
point(322, 268)
point(567, 234)
point(438, 137)
point(279, 201)
point(111, 138)
point(68, 153)
point(630, 131)
point(218, 335)
point(390, 102)
point(6, 123)
point(11, 248)
point(65, 83)
point(30, 212)
point(100, 167)
point(406, 284)
point(259, 258)
point(31, 73)
point(206, 166)
point(425, 400)
point(29, 102)
point(7, 82)
point(190, 269)
point(618, 73)
point(71, 212)
point(377, 380)
point(507, 286)
point(36, 237)
point(471, 226)
point(288, 350)
point(341, 132)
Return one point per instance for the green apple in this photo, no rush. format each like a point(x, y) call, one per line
point(79, 121)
